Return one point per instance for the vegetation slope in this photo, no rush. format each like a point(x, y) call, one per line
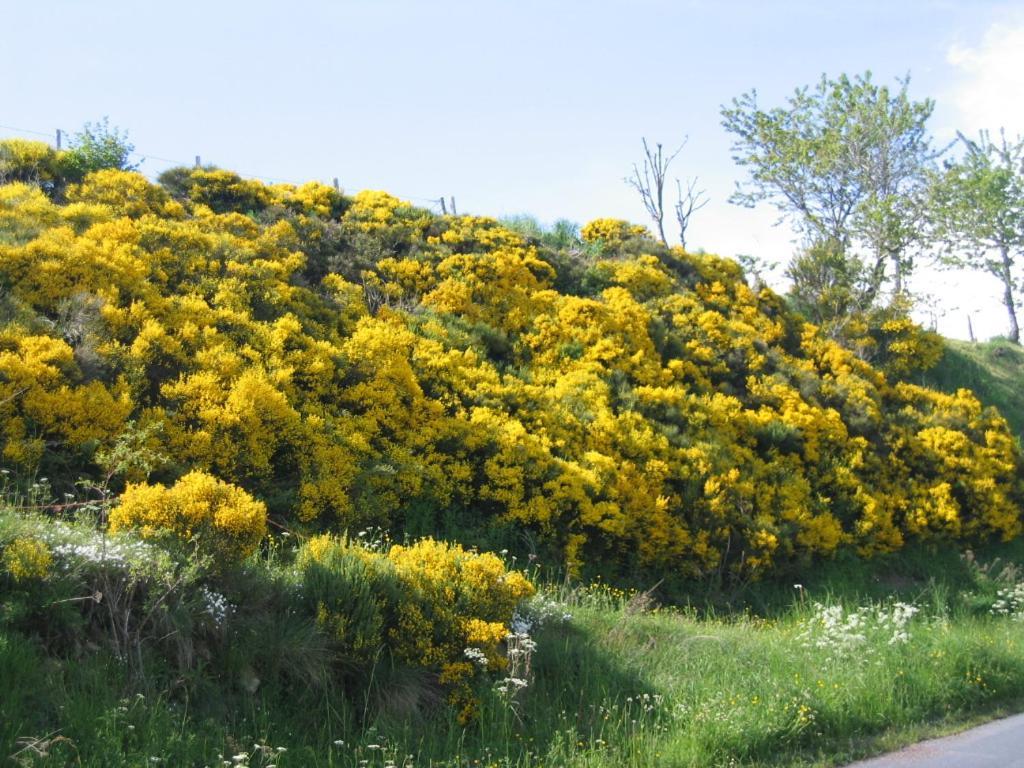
point(359, 362)
point(219, 398)
point(993, 370)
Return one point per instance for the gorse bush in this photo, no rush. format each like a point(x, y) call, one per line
point(615, 406)
point(352, 592)
point(224, 521)
point(611, 232)
point(431, 604)
point(27, 558)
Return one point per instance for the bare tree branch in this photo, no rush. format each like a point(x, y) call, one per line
point(689, 203)
point(650, 183)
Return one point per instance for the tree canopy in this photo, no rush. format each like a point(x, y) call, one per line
point(845, 162)
point(978, 214)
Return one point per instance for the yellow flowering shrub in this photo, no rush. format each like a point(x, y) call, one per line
point(611, 232)
point(312, 198)
point(426, 602)
point(361, 361)
point(223, 191)
point(222, 519)
point(25, 212)
point(127, 193)
point(34, 162)
point(468, 597)
point(27, 559)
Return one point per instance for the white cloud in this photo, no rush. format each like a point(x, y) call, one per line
point(988, 91)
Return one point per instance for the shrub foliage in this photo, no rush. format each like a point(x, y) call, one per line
point(222, 520)
point(356, 361)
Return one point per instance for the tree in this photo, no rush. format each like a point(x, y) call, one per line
point(827, 286)
point(687, 204)
point(846, 163)
point(978, 211)
point(650, 185)
point(96, 147)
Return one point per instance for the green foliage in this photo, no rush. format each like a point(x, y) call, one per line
point(352, 596)
point(621, 682)
point(846, 162)
point(827, 286)
point(325, 615)
point(993, 370)
point(978, 214)
point(98, 146)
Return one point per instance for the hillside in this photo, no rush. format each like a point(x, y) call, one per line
point(595, 398)
point(293, 477)
point(993, 370)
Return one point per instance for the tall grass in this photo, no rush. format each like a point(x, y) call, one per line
point(773, 674)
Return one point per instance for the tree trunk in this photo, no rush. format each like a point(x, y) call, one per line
point(897, 275)
point(1008, 297)
point(875, 279)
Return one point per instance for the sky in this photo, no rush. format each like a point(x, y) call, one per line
point(509, 106)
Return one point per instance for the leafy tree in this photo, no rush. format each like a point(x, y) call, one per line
point(827, 286)
point(845, 162)
point(96, 147)
point(979, 214)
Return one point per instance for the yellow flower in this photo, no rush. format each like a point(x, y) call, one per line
point(223, 519)
point(27, 559)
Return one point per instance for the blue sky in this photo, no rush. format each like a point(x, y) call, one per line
point(525, 106)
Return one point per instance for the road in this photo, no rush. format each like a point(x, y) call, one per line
point(999, 744)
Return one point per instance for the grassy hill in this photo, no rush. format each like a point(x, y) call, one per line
point(993, 370)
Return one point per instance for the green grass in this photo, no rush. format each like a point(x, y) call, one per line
point(734, 680)
point(994, 370)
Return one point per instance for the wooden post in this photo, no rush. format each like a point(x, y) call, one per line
point(455, 211)
point(58, 138)
point(970, 329)
point(336, 187)
point(444, 209)
point(199, 163)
